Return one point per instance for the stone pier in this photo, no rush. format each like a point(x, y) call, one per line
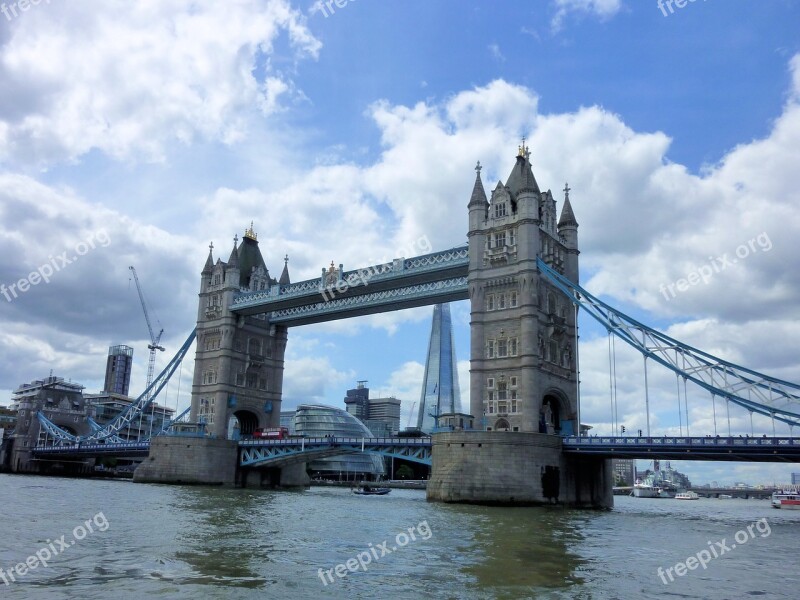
point(512, 468)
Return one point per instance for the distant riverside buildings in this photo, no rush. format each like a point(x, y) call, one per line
point(118, 370)
point(625, 470)
point(795, 478)
point(108, 406)
point(60, 401)
point(66, 406)
point(380, 415)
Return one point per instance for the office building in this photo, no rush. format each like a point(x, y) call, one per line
point(380, 415)
point(118, 370)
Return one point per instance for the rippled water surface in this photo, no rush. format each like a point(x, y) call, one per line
point(193, 542)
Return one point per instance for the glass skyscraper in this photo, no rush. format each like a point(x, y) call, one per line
point(440, 391)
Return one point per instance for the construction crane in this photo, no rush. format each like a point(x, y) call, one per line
point(155, 340)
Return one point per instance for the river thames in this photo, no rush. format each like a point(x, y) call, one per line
point(119, 540)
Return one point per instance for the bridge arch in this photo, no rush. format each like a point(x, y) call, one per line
point(248, 421)
point(502, 425)
point(554, 410)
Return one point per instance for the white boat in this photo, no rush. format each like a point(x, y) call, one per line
point(724, 496)
point(686, 496)
point(786, 500)
point(644, 490)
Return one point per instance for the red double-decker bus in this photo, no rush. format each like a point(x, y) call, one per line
point(271, 433)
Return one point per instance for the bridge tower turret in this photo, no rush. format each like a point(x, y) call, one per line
point(239, 359)
point(238, 378)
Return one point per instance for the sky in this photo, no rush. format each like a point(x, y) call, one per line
point(137, 132)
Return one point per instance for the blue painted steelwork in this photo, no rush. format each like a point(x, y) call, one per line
point(97, 427)
point(176, 420)
point(751, 449)
point(279, 453)
point(765, 395)
point(127, 416)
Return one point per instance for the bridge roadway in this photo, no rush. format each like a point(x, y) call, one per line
point(745, 449)
point(278, 453)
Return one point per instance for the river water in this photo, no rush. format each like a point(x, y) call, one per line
point(123, 540)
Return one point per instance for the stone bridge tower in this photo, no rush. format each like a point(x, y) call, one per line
point(239, 360)
point(238, 379)
point(524, 354)
point(523, 364)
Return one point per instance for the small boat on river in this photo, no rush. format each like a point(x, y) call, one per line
point(367, 490)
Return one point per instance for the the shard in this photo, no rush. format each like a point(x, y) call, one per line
point(440, 391)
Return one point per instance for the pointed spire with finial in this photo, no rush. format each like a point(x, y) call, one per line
point(521, 178)
point(284, 280)
point(478, 192)
point(209, 260)
point(233, 261)
point(567, 216)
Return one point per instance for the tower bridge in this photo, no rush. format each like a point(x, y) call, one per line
point(520, 273)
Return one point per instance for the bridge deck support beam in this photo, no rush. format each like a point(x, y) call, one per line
point(512, 468)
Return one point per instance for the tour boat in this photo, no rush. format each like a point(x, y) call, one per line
point(788, 500)
point(686, 496)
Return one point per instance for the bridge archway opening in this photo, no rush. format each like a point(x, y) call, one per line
point(248, 421)
point(502, 425)
point(554, 410)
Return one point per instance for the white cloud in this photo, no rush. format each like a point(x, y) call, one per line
point(603, 9)
point(141, 76)
point(496, 53)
